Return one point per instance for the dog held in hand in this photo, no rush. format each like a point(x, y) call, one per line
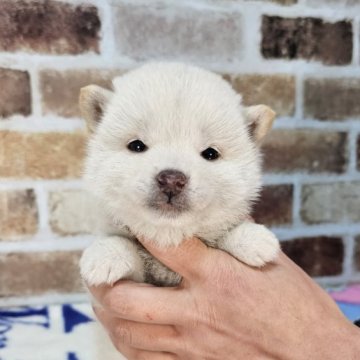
point(172, 154)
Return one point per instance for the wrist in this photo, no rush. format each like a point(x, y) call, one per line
point(339, 340)
point(331, 340)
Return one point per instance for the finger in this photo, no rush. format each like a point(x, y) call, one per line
point(190, 258)
point(147, 355)
point(150, 337)
point(135, 354)
point(146, 304)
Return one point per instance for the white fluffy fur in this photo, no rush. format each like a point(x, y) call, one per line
point(178, 111)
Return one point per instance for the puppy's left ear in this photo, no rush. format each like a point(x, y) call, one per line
point(92, 101)
point(259, 118)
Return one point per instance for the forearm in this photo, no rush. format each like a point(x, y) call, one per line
point(346, 343)
point(331, 340)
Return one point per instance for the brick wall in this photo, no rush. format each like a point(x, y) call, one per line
point(299, 56)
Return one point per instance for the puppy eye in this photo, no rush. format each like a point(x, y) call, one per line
point(210, 154)
point(137, 146)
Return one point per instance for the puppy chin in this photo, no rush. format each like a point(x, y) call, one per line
point(171, 210)
point(167, 214)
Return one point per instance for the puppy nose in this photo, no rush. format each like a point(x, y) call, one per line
point(171, 181)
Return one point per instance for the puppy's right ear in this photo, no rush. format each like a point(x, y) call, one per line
point(92, 101)
point(259, 118)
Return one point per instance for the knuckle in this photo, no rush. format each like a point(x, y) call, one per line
point(116, 303)
point(123, 335)
point(180, 342)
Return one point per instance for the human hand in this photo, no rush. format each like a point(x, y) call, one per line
point(224, 309)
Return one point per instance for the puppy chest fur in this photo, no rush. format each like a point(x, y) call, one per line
point(172, 154)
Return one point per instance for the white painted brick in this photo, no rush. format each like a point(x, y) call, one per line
point(336, 202)
point(171, 32)
point(72, 212)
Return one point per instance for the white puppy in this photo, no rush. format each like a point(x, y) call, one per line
point(172, 154)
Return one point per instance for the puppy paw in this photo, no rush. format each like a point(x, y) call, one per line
point(261, 249)
point(109, 260)
point(252, 244)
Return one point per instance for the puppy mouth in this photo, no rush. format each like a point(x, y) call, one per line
point(169, 204)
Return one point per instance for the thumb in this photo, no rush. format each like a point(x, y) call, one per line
point(189, 258)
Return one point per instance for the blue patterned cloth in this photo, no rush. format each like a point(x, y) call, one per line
point(66, 332)
point(58, 332)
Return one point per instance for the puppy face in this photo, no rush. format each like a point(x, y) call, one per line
point(173, 145)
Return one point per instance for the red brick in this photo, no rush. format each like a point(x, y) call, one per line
point(15, 94)
point(48, 27)
point(332, 99)
point(310, 151)
point(41, 155)
point(37, 273)
point(275, 205)
point(307, 38)
point(318, 256)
